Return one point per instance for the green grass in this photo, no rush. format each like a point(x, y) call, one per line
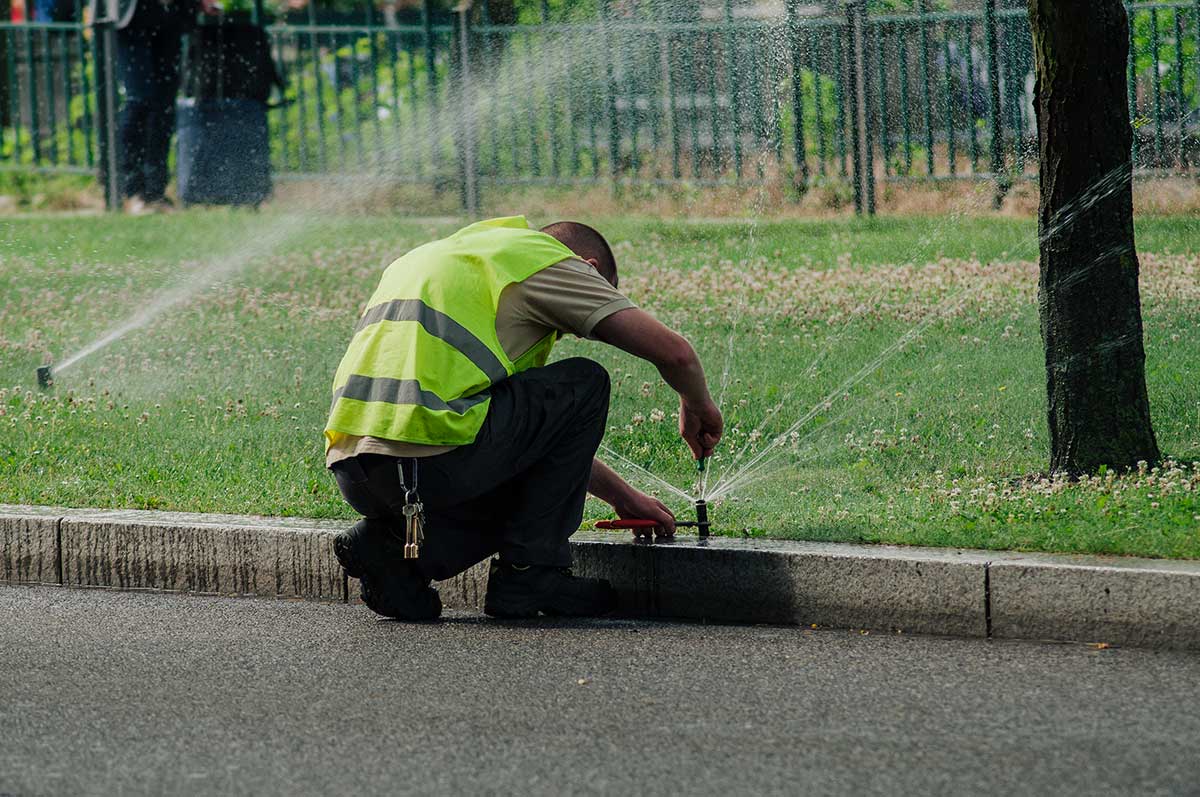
point(217, 405)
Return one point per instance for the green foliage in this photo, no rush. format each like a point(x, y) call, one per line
point(32, 191)
point(355, 100)
point(218, 404)
point(272, 8)
point(1147, 60)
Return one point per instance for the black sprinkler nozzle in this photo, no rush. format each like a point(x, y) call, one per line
point(44, 378)
point(702, 518)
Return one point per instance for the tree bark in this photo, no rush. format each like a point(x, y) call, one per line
point(1089, 306)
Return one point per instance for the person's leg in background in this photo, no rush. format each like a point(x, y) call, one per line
point(148, 66)
point(165, 46)
point(135, 68)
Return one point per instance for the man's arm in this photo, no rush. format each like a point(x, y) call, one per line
point(606, 485)
point(642, 335)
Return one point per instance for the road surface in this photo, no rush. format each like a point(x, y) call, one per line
point(141, 693)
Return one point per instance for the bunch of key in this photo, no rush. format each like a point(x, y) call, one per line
point(414, 525)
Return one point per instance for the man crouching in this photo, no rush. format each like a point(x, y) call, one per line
point(456, 441)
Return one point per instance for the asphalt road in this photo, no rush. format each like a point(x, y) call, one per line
point(138, 693)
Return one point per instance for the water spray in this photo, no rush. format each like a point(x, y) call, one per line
point(44, 378)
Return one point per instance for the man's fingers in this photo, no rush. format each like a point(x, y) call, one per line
point(667, 520)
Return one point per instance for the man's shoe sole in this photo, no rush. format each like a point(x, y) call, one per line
point(530, 608)
point(530, 613)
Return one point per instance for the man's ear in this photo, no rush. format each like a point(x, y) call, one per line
point(593, 262)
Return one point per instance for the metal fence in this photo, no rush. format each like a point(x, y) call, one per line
point(461, 104)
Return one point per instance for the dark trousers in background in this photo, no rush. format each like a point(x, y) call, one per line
point(518, 489)
point(148, 66)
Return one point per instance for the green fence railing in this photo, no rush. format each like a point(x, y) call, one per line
point(639, 98)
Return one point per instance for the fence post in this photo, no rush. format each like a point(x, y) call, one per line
point(853, 64)
point(993, 66)
point(435, 154)
point(5, 109)
point(859, 83)
point(104, 45)
point(923, 21)
point(732, 79)
point(864, 110)
point(31, 90)
point(800, 155)
point(610, 81)
point(470, 175)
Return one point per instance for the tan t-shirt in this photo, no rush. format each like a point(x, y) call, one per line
point(569, 297)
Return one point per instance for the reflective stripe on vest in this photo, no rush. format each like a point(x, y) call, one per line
point(425, 350)
point(402, 391)
point(439, 325)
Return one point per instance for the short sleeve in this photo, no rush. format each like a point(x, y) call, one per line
point(569, 296)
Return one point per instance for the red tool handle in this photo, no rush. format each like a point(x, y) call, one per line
point(627, 523)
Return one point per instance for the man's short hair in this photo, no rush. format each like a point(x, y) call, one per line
point(588, 244)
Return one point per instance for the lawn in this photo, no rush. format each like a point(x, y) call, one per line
point(882, 380)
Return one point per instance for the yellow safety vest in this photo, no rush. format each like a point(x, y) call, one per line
point(425, 350)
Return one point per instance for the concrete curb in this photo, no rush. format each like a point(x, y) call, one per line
point(920, 590)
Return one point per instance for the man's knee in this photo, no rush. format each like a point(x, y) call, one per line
point(587, 373)
point(589, 384)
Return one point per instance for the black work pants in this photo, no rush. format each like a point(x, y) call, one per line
point(517, 490)
point(148, 64)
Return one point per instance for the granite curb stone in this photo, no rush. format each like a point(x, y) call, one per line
point(1118, 600)
point(29, 546)
point(847, 586)
point(210, 554)
point(1152, 603)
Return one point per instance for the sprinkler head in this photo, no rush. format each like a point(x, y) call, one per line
point(702, 518)
point(44, 378)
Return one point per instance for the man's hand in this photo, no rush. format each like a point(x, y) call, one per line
point(210, 7)
point(639, 505)
point(700, 426)
point(606, 485)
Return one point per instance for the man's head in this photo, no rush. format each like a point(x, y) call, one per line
point(588, 244)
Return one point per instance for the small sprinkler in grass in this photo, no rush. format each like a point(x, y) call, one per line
point(44, 377)
point(702, 514)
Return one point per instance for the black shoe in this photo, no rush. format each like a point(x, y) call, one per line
point(523, 592)
point(391, 585)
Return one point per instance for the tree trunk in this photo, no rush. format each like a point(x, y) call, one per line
point(1090, 311)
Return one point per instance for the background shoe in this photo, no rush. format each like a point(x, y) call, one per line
point(515, 592)
point(162, 205)
point(136, 206)
point(390, 584)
